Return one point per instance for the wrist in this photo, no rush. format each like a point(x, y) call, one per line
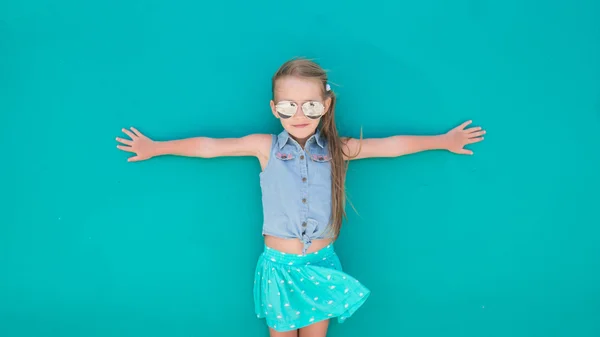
point(158, 148)
point(442, 142)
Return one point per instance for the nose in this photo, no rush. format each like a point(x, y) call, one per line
point(299, 113)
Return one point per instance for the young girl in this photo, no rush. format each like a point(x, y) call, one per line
point(299, 283)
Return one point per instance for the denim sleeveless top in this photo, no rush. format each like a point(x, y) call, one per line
point(296, 189)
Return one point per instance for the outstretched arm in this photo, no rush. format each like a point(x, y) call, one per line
point(257, 145)
point(454, 141)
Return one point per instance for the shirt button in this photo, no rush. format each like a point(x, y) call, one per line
point(302, 157)
point(304, 200)
point(304, 224)
point(304, 179)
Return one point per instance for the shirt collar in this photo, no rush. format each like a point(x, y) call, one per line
point(284, 136)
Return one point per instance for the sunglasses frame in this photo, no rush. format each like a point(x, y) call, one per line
point(302, 106)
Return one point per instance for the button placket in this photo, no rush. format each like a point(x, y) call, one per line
point(303, 163)
point(304, 190)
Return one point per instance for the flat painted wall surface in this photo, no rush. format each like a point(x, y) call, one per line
point(502, 243)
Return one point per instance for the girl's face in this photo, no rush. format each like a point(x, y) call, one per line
point(302, 97)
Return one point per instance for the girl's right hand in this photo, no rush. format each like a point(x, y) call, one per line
point(142, 146)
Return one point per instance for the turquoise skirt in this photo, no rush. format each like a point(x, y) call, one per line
point(293, 291)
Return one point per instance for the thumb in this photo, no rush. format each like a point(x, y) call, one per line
point(134, 158)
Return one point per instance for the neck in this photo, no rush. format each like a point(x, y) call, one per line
point(302, 141)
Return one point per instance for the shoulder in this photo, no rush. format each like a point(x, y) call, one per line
point(351, 147)
point(258, 138)
point(260, 142)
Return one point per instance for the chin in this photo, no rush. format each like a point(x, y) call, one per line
point(301, 131)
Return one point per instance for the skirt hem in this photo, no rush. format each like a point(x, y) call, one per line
point(292, 292)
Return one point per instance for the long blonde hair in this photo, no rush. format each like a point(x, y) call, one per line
point(304, 68)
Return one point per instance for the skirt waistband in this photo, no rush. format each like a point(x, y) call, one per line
point(277, 256)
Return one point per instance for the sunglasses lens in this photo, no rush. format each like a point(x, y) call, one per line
point(313, 110)
point(286, 109)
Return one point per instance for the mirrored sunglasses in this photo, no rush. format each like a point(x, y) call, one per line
point(311, 109)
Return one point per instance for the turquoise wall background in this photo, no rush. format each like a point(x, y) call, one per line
point(503, 243)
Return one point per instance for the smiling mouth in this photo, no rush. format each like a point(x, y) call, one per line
point(300, 125)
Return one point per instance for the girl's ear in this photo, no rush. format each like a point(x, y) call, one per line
point(272, 103)
point(327, 104)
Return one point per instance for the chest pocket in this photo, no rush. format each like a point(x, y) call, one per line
point(284, 155)
point(320, 158)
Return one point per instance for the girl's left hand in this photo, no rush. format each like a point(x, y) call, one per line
point(456, 139)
